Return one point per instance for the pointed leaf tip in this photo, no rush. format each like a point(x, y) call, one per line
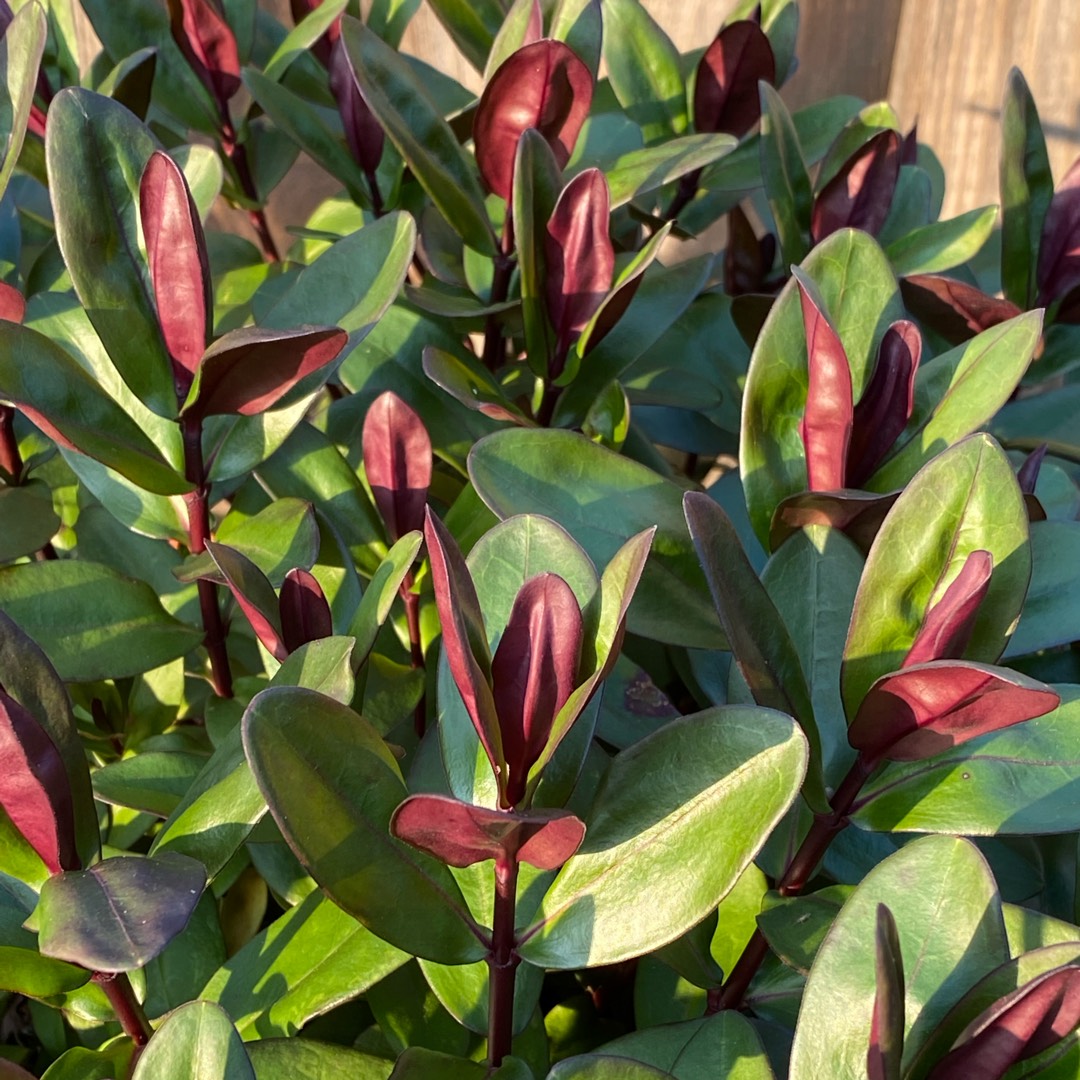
point(205, 38)
point(947, 626)
point(397, 461)
point(887, 1025)
point(726, 94)
point(305, 614)
point(363, 132)
point(861, 193)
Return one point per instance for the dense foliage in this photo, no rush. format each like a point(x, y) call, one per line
point(511, 633)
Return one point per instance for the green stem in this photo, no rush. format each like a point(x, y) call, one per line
point(502, 961)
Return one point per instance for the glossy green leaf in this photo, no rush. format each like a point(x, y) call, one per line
point(593, 914)
point(78, 1063)
point(334, 808)
point(580, 24)
point(645, 170)
point(605, 1067)
point(784, 175)
point(463, 991)
point(179, 973)
point(97, 151)
point(861, 296)
point(423, 138)
point(1051, 614)
point(91, 622)
point(310, 959)
point(324, 664)
point(20, 55)
point(957, 393)
point(942, 244)
point(644, 69)
point(308, 1059)
point(380, 593)
point(473, 385)
point(29, 518)
point(120, 913)
point(472, 24)
point(517, 30)
point(965, 500)
point(302, 37)
point(153, 781)
point(131, 81)
point(1027, 187)
point(197, 1041)
point(25, 971)
point(67, 403)
point(795, 926)
point(951, 933)
point(611, 498)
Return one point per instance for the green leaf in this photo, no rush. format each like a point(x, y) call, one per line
point(1027, 186)
point(78, 1063)
point(942, 245)
point(463, 991)
point(415, 125)
point(1051, 614)
point(69, 405)
point(25, 971)
point(610, 499)
point(380, 594)
point(861, 296)
point(605, 1067)
point(957, 393)
point(302, 37)
point(180, 972)
point(784, 175)
point(580, 24)
point(640, 832)
point(197, 1041)
point(91, 622)
point(307, 1059)
point(1021, 780)
point(29, 518)
point(153, 781)
point(325, 665)
point(20, 57)
point(332, 786)
point(312, 958)
point(119, 914)
point(965, 500)
point(644, 69)
point(645, 170)
point(948, 915)
point(472, 24)
point(97, 151)
point(795, 926)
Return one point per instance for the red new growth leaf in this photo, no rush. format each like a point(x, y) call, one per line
point(362, 131)
point(579, 255)
point(885, 407)
point(860, 194)
point(1018, 1026)
point(460, 834)
point(924, 710)
point(209, 46)
point(397, 460)
point(533, 672)
point(253, 594)
point(947, 626)
point(954, 309)
point(827, 419)
point(887, 1025)
point(544, 86)
point(12, 303)
point(1027, 476)
point(305, 614)
point(1059, 249)
point(726, 94)
point(34, 787)
point(179, 270)
point(248, 370)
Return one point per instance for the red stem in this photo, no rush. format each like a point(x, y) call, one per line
point(502, 961)
point(126, 1005)
point(238, 155)
point(412, 618)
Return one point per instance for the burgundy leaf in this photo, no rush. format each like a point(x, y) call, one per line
point(947, 626)
point(362, 131)
point(36, 121)
point(247, 371)
point(885, 406)
point(459, 834)
point(1027, 476)
point(579, 255)
point(859, 514)
point(887, 1024)
point(12, 303)
point(300, 9)
point(1016, 1027)
point(1059, 249)
point(464, 637)
point(254, 596)
point(533, 672)
point(305, 614)
point(613, 310)
point(827, 419)
point(923, 710)
point(860, 194)
point(744, 257)
point(34, 787)
point(209, 46)
point(179, 269)
point(6, 15)
point(954, 309)
point(544, 86)
point(909, 148)
point(726, 94)
point(397, 460)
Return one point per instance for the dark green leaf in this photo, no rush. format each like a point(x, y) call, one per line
point(198, 1042)
point(29, 518)
point(472, 24)
point(1051, 614)
point(942, 244)
point(20, 55)
point(784, 175)
point(308, 1059)
point(645, 170)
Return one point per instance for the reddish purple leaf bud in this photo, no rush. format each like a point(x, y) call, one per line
point(1059, 249)
point(534, 28)
point(397, 460)
point(1027, 476)
point(300, 10)
point(464, 637)
point(885, 407)
point(247, 371)
point(305, 614)
point(909, 148)
point(887, 1023)
point(179, 269)
point(12, 303)
point(34, 787)
point(543, 86)
point(459, 834)
point(860, 194)
point(947, 626)
point(747, 260)
point(362, 131)
point(254, 595)
point(533, 672)
point(580, 257)
point(209, 46)
point(954, 309)
point(1015, 1028)
point(827, 419)
point(923, 710)
point(726, 94)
